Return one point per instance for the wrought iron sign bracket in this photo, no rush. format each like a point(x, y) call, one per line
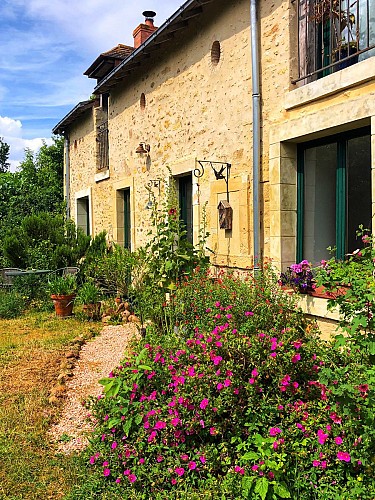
point(220, 172)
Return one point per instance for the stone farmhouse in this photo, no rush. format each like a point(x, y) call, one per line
point(262, 111)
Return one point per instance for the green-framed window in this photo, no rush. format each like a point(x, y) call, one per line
point(83, 214)
point(185, 198)
point(333, 194)
point(127, 218)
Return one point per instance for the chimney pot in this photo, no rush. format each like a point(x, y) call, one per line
point(144, 30)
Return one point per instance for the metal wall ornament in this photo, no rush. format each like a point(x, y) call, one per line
point(151, 185)
point(220, 172)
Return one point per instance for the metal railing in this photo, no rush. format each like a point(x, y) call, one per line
point(333, 34)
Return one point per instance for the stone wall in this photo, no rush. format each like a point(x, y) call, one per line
point(195, 109)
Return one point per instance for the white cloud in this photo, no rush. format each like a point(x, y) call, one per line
point(11, 131)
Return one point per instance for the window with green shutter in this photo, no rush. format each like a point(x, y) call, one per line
point(334, 194)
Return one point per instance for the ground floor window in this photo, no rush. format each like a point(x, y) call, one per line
point(334, 194)
point(185, 198)
point(124, 218)
point(127, 219)
point(83, 214)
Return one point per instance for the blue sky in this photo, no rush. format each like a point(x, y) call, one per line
point(45, 46)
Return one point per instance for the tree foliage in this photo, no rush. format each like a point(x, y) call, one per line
point(36, 187)
point(4, 155)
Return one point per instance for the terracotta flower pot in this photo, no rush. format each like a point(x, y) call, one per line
point(63, 305)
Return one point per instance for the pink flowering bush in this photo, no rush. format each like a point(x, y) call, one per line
point(242, 401)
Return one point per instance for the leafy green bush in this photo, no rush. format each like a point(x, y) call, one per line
point(62, 285)
point(242, 400)
point(33, 288)
point(12, 304)
point(45, 241)
point(356, 304)
point(88, 293)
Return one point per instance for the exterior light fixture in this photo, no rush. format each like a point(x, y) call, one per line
point(221, 172)
point(143, 148)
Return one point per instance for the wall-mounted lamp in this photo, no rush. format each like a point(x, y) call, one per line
point(143, 148)
point(220, 172)
point(153, 183)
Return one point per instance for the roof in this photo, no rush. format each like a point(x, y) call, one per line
point(75, 113)
point(106, 61)
point(178, 21)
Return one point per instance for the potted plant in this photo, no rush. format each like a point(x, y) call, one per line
point(299, 277)
point(89, 295)
point(63, 292)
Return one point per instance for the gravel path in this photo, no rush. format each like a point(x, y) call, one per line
point(97, 358)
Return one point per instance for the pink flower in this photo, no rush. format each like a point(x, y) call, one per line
point(249, 313)
point(114, 445)
point(273, 355)
point(204, 403)
point(254, 373)
point(227, 382)
point(213, 431)
point(296, 358)
point(323, 464)
point(141, 461)
point(175, 421)
point(92, 460)
point(316, 463)
point(255, 467)
point(174, 480)
point(251, 381)
point(118, 480)
point(160, 425)
point(239, 469)
point(202, 459)
point(297, 344)
point(180, 471)
point(219, 386)
point(335, 417)
point(322, 437)
point(126, 472)
point(217, 360)
point(152, 436)
point(343, 456)
point(159, 458)
point(192, 465)
point(274, 431)
point(106, 472)
point(132, 478)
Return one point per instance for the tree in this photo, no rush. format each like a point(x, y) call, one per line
point(36, 188)
point(4, 156)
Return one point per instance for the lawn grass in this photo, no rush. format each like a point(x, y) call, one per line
point(31, 348)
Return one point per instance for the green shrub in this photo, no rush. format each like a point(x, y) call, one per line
point(62, 285)
point(45, 241)
point(242, 400)
point(88, 293)
point(12, 304)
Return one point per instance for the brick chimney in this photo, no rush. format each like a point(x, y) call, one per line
point(144, 30)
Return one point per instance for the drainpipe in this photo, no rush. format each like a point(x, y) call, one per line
point(67, 175)
point(256, 127)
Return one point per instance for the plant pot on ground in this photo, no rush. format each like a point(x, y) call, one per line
point(63, 292)
point(89, 296)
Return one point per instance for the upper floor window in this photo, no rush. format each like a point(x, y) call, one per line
point(333, 34)
point(102, 146)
